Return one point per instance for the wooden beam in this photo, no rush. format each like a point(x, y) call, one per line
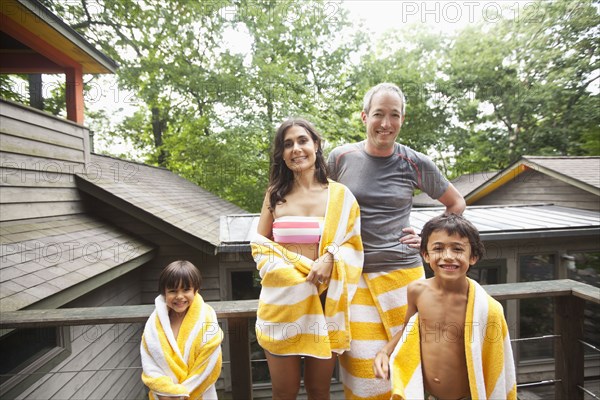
point(19, 62)
point(248, 308)
point(34, 42)
point(110, 315)
point(74, 92)
point(528, 290)
point(568, 350)
point(239, 349)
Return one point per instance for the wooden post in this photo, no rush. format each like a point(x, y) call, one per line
point(239, 349)
point(74, 94)
point(568, 350)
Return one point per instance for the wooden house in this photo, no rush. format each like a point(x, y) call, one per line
point(85, 234)
point(84, 230)
point(563, 181)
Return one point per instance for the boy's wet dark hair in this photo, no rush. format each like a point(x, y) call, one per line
point(179, 273)
point(453, 224)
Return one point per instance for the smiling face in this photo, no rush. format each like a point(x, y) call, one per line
point(299, 149)
point(383, 121)
point(180, 299)
point(449, 256)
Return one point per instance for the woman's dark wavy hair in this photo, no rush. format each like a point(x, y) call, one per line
point(281, 177)
point(453, 223)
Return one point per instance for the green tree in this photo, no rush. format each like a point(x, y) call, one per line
point(203, 109)
point(410, 58)
point(525, 86)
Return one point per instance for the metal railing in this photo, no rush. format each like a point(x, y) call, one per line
point(569, 299)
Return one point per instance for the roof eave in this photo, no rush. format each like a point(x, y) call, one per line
point(105, 64)
point(541, 234)
point(515, 170)
point(104, 195)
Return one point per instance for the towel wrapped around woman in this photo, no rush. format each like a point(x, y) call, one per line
point(290, 318)
point(188, 365)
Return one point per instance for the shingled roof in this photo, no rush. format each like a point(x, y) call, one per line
point(583, 170)
point(464, 184)
point(158, 197)
point(49, 261)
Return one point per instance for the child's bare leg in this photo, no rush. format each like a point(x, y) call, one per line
point(317, 377)
point(285, 376)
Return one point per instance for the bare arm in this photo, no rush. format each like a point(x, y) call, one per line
point(265, 222)
point(453, 201)
point(381, 364)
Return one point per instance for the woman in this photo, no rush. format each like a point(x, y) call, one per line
point(309, 254)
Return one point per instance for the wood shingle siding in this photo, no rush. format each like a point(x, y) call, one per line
point(38, 156)
point(105, 359)
point(31, 132)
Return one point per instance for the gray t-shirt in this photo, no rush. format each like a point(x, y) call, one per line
point(384, 189)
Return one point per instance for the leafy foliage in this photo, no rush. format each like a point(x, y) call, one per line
point(476, 100)
point(525, 87)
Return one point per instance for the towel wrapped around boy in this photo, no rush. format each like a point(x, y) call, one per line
point(188, 365)
point(488, 352)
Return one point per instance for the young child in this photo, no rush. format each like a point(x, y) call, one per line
point(455, 342)
point(181, 344)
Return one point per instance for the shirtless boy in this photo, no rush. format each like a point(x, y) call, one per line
point(450, 244)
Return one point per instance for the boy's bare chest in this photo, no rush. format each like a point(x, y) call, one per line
point(444, 322)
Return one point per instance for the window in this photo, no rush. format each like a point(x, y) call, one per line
point(488, 272)
point(29, 353)
point(536, 316)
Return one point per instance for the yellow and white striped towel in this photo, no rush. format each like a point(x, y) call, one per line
point(490, 363)
point(377, 314)
point(290, 317)
point(188, 365)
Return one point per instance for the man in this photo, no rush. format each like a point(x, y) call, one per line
point(382, 175)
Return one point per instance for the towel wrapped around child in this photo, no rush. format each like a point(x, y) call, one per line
point(290, 318)
point(188, 365)
point(487, 346)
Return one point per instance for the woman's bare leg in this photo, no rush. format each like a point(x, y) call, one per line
point(317, 377)
point(285, 376)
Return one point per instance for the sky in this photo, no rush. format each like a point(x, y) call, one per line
point(442, 15)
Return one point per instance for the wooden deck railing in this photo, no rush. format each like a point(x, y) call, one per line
point(569, 296)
